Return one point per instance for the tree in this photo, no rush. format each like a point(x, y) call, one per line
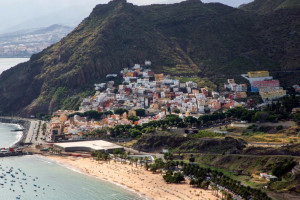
point(120, 111)
point(146, 163)
point(168, 156)
point(296, 117)
point(204, 184)
point(117, 151)
point(206, 110)
point(190, 120)
point(134, 133)
point(261, 116)
point(280, 127)
point(192, 159)
point(283, 167)
point(136, 161)
point(92, 114)
point(40, 115)
point(176, 178)
point(108, 113)
point(133, 118)
point(176, 111)
point(140, 112)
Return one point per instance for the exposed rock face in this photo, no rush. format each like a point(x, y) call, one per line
point(188, 38)
point(151, 143)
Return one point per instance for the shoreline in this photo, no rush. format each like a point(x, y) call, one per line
point(135, 179)
point(23, 123)
point(19, 133)
point(79, 170)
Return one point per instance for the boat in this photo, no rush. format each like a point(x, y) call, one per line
point(44, 150)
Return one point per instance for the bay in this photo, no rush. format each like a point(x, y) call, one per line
point(37, 177)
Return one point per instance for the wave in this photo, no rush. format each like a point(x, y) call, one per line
point(18, 134)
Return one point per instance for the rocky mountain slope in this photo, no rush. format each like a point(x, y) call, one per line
point(269, 6)
point(188, 38)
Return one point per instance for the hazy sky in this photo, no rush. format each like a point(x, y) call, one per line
point(28, 12)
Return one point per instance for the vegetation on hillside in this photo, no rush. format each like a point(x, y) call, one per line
point(267, 6)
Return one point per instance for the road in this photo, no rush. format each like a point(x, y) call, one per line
point(133, 151)
point(33, 131)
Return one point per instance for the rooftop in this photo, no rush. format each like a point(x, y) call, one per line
point(96, 145)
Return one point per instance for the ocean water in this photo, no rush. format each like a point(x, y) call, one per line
point(6, 63)
point(7, 137)
point(36, 177)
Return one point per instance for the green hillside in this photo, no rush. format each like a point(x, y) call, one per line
point(268, 6)
point(188, 38)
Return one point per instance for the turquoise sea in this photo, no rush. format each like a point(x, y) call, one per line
point(36, 177)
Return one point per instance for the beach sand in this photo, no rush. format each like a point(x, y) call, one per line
point(149, 185)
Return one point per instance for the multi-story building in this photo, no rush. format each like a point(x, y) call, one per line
point(232, 86)
point(256, 74)
point(268, 94)
point(263, 84)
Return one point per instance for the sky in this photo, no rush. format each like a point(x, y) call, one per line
point(19, 14)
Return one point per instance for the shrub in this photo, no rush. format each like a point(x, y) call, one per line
point(280, 127)
point(120, 111)
point(281, 168)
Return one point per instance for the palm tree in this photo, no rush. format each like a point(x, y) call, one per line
point(223, 193)
point(115, 157)
point(141, 160)
point(98, 158)
point(125, 156)
point(146, 163)
point(51, 150)
point(136, 161)
point(108, 158)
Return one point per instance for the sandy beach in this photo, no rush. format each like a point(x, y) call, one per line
point(145, 183)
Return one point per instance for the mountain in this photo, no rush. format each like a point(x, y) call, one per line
point(35, 14)
point(26, 42)
point(268, 6)
point(188, 38)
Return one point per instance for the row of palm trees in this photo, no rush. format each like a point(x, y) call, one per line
point(124, 157)
point(199, 176)
point(219, 180)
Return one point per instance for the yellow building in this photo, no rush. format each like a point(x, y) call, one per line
point(129, 74)
point(257, 74)
point(132, 113)
point(159, 77)
point(275, 94)
point(63, 118)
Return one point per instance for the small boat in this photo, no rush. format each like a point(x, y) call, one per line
point(45, 150)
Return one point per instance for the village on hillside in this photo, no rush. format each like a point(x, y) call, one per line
point(137, 96)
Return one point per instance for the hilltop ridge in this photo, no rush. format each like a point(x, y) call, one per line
point(269, 6)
